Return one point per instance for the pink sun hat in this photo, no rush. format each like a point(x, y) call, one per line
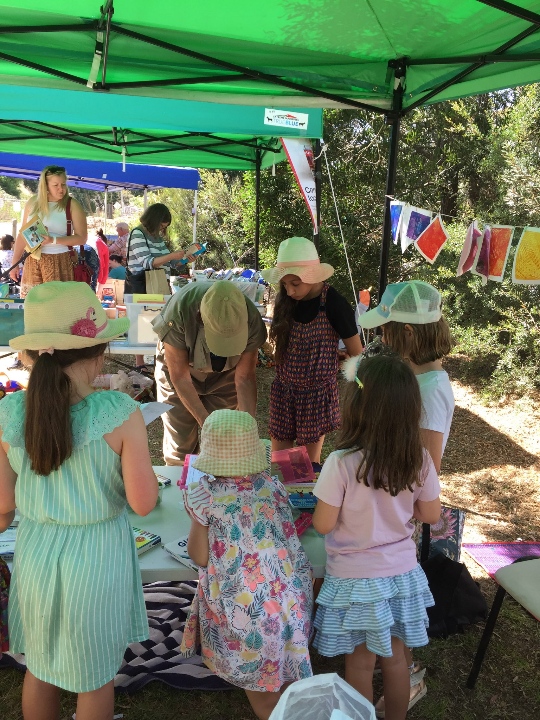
point(298, 256)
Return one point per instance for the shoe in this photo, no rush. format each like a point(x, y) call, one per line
point(418, 691)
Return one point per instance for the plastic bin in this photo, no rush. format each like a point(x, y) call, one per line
point(140, 317)
point(11, 322)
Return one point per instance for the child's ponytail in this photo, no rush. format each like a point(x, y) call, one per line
point(48, 437)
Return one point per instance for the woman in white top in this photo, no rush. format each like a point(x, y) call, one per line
point(6, 252)
point(50, 205)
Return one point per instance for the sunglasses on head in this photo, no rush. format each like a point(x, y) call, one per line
point(54, 170)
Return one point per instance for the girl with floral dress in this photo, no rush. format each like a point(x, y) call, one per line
point(252, 612)
point(309, 319)
point(374, 596)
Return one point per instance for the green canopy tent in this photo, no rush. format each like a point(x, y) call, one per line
point(389, 56)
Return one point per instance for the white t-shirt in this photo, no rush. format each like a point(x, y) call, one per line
point(437, 401)
point(56, 224)
point(373, 534)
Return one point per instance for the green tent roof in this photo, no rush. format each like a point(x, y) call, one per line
point(285, 53)
point(157, 131)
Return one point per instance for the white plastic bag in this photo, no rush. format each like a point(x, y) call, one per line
point(317, 697)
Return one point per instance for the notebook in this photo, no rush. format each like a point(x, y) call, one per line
point(144, 540)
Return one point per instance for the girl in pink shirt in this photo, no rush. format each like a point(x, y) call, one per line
point(374, 597)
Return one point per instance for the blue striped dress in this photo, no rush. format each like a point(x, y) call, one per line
point(76, 597)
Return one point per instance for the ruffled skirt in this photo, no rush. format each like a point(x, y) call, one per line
point(371, 611)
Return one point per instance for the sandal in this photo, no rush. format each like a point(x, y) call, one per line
point(418, 691)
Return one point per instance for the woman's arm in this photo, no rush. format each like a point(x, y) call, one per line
point(427, 512)
point(353, 345)
point(246, 382)
point(8, 477)
point(130, 441)
point(432, 441)
point(80, 232)
point(197, 545)
point(164, 259)
point(179, 372)
point(325, 517)
point(20, 242)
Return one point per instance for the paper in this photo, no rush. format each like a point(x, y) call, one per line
point(152, 410)
point(470, 250)
point(34, 232)
point(413, 224)
point(481, 266)
point(526, 269)
point(432, 240)
point(501, 240)
point(7, 542)
point(396, 213)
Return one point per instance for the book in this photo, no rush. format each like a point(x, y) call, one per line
point(178, 550)
point(194, 249)
point(292, 465)
point(145, 540)
point(34, 232)
point(7, 542)
point(301, 495)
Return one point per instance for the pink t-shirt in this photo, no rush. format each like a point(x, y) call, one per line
point(372, 536)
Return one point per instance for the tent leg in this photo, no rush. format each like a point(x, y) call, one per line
point(318, 183)
point(145, 197)
point(258, 160)
point(395, 120)
point(105, 216)
point(195, 198)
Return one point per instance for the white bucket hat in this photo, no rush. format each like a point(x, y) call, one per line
point(298, 256)
point(230, 445)
point(414, 302)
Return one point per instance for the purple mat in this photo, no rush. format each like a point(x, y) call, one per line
point(493, 556)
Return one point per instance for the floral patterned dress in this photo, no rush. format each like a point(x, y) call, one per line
point(4, 587)
point(253, 609)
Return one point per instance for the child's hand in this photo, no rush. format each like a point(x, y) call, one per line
point(197, 501)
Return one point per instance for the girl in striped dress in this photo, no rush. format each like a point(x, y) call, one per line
point(70, 460)
point(310, 317)
point(374, 597)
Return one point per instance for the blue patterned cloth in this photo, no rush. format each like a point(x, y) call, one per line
point(371, 611)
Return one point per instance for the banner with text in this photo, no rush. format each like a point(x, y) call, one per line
point(300, 155)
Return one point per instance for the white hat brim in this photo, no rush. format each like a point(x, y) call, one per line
point(221, 467)
point(307, 273)
point(65, 341)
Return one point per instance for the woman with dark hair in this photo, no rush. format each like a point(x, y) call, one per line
point(147, 249)
point(6, 252)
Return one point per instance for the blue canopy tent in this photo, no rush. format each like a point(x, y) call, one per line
point(102, 175)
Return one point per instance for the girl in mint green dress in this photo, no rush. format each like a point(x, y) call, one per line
point(70, 460)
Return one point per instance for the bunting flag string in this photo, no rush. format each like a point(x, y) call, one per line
point(485, 252)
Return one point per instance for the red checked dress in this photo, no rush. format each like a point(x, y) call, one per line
point(304, 399)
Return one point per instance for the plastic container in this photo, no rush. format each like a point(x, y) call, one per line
point(11, 322)
point(140, 322)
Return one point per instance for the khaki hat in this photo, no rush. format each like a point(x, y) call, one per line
point(225, 319)
point(298, 256)
point(65, 316)
point(414, 302)
point(230, 445)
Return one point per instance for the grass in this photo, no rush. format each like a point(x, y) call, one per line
point(494, 477)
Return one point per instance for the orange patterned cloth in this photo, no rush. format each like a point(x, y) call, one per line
point(46, 269)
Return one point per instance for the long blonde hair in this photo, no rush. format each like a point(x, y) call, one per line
point(40, 201)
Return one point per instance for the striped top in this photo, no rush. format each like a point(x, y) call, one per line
point(76, 597)
point(143, 248)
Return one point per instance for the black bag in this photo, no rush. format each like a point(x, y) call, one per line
point(458, 600)
point(135, 282)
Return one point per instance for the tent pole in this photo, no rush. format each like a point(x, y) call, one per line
point(145, 197)
point(195, 198)
point(258, 160)
point(318, 182)
point(105, 219)
point(395, 121)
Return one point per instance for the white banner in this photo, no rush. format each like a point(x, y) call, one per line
point(300, 155)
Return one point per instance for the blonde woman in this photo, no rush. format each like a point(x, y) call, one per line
point(60, 214)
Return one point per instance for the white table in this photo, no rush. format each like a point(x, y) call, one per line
point(116, 347)
point(171, 521)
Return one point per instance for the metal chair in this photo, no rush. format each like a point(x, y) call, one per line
point(521, 580)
